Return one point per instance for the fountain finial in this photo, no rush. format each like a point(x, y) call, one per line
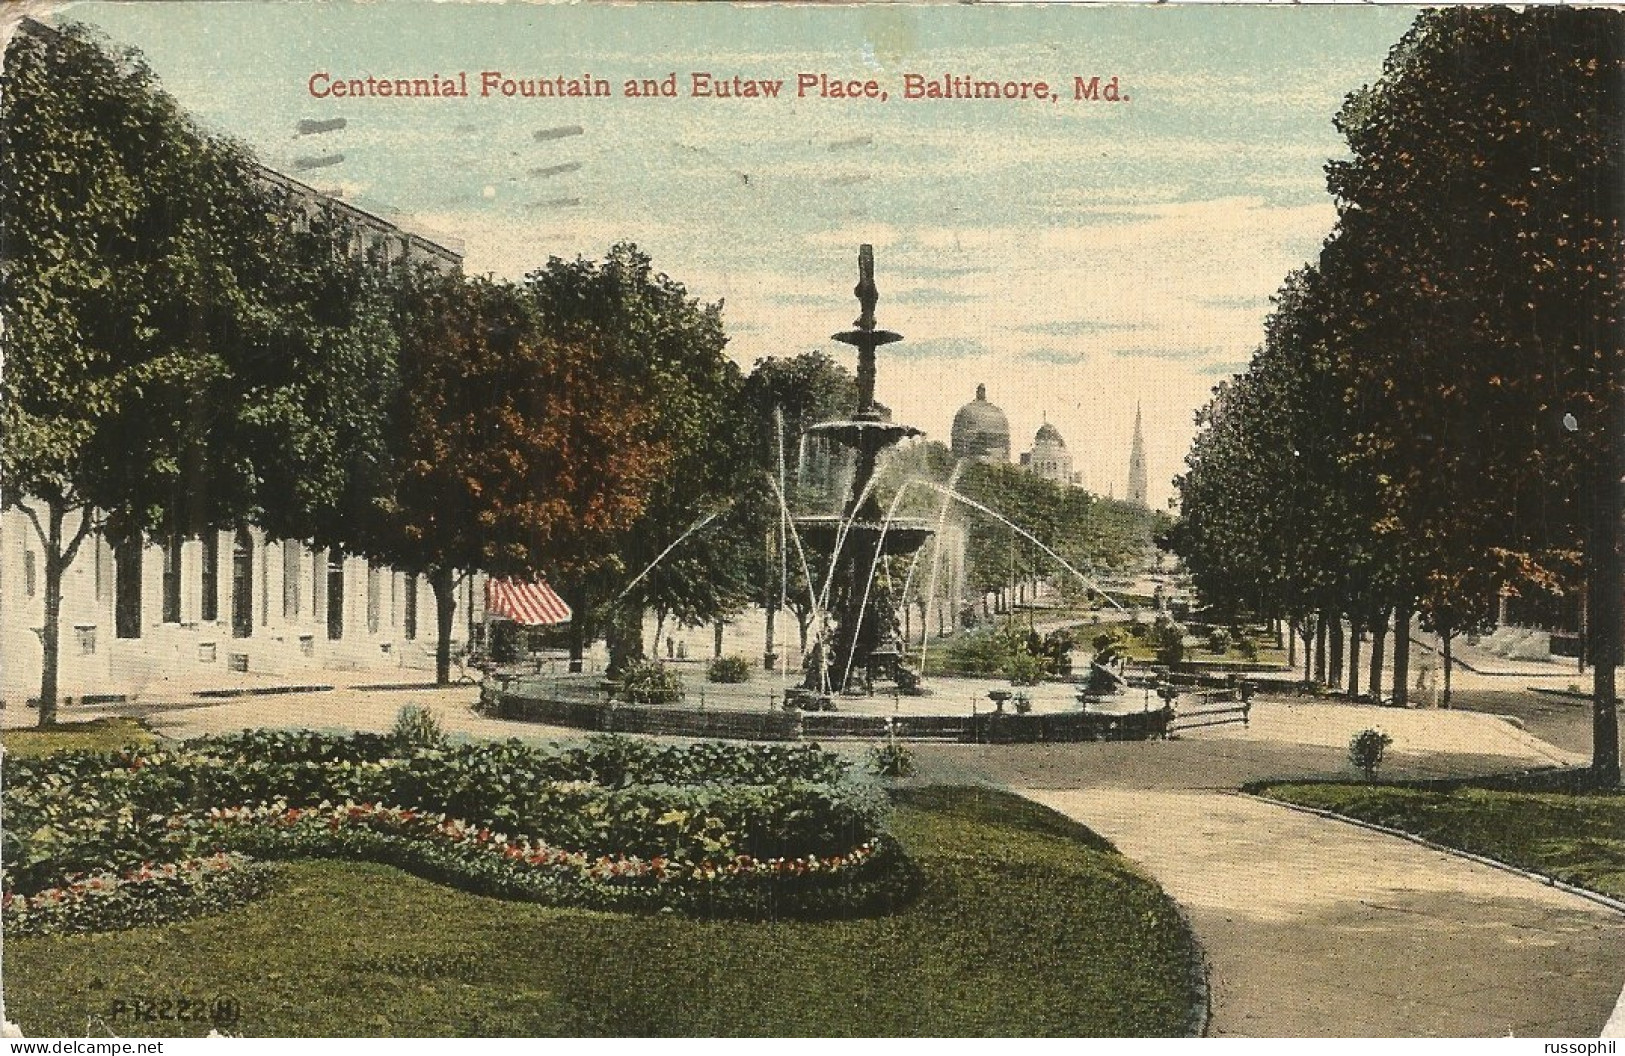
point(868, 295)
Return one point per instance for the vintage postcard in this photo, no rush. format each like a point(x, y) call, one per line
point(654, 520)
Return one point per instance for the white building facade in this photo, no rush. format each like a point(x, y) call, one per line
point(173, 615)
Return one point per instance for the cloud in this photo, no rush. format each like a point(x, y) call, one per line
point(1083, 327)
point(939, 348)
point(1052, 354)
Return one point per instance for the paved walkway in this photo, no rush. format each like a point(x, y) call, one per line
point(1315, 928)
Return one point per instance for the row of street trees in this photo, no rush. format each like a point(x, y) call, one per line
point(191, 346)
point(1437, 413)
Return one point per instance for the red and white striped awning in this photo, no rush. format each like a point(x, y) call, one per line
point(532, 604)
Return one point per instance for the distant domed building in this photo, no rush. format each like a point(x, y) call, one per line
point(981, 431)
point(1049, 457)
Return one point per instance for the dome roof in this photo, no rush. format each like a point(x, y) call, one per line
point(1048, 434)
point(981, 430)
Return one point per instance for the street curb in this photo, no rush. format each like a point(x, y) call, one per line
point(1605, 901)
point(1200, 1015)
point(258, 691)
point(1579, 700)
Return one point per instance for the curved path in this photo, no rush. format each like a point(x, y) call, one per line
point(1314, 927)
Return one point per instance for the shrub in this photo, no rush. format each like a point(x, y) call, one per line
point(1022, 703)
point(1167, 637)
point(651, 682)
point(1247, 648)
point(1218, 641)
point(728, 669)
point(417, 729)
point(892, 760)
point(1366, 750)
point(1057, 650)
point(1024, 669)
point(978, 654)
point(505, 641)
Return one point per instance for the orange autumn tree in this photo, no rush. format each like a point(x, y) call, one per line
point(512, 453)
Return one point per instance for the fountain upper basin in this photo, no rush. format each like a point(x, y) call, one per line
point(902, 536)
point(862, 433)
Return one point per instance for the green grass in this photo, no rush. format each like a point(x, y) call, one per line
point(96, 735)
point(1578, 838)
point(1029, 925)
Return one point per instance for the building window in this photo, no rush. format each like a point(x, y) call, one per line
point(409, 608)
point(318, 580)
point(374, 597)
point(290, 579)
point(335, 594)
point(30, 573)
point(127, 589)
point(242, 584)
point(99, 559)
point(209, 578)
point(172, 579)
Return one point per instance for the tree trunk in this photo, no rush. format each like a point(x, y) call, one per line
point(1334, 661)
point(1446, 636)
point(803, 625)
point(769, 656)
point(578, 628)
point(716, 642)
point(1603, 605)
point(1320, 649)
point(1308, 634)
point(1291, 645)
point(444, 583)
point(660, 630)
point(50, 638)
point(1355, 631)
point(1378, 640)
point(1402, 655)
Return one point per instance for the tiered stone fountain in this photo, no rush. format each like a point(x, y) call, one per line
point(861, 642)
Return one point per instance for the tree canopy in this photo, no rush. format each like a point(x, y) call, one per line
point(1436, 415)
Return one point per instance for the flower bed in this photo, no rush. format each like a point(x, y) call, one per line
point(617, 824)
point(149, 894)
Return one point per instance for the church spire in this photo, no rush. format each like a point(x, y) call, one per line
point(1136, 464)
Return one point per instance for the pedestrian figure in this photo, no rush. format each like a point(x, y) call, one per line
point(1427, 680)
point(671, 646)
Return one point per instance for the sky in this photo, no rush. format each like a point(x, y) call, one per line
point(1079, 257)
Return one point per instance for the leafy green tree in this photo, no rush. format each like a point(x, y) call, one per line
point(513, 452)
point(186, 347)
point(667, 348)
point(1483, 199)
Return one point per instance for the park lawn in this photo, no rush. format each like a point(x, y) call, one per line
point(95, 735)
point(1578, 838)
point(1029, 925)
